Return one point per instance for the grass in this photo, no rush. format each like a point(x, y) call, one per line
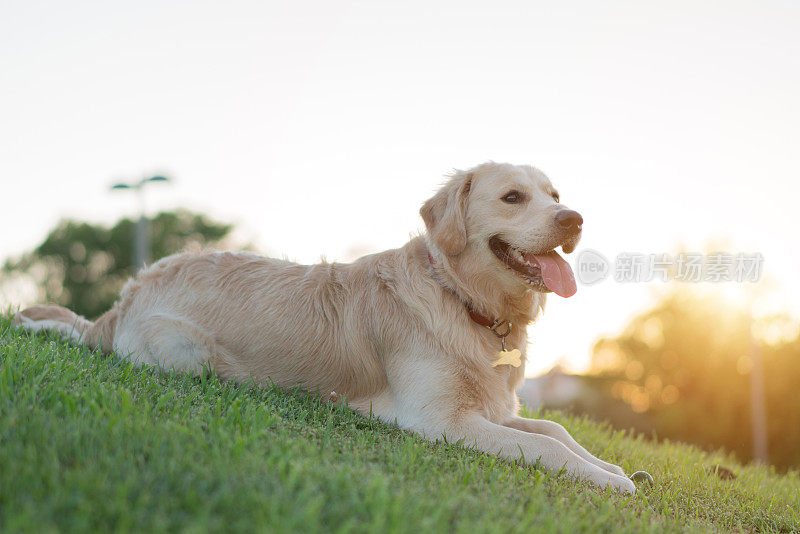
point(90, 443)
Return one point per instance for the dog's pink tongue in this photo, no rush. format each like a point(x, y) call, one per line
point(557, 274)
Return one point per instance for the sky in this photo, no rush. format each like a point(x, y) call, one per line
point(319, 128)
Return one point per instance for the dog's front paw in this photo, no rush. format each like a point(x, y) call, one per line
point(621, 484)
point(615, 469)
point(624, 485)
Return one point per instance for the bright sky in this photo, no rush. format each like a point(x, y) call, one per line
point(320, 127)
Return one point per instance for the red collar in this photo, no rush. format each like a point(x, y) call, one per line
point(473, 314)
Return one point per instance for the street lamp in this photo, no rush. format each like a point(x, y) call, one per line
point(141, 245)
point(758, 410)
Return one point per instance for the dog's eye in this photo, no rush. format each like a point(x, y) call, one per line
point(556, 198)
point(513, 197)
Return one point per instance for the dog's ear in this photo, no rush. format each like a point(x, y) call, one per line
point(444, 214)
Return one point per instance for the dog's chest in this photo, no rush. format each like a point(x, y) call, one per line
point(490, 389)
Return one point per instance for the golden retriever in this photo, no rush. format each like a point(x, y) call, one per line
point(414, 335)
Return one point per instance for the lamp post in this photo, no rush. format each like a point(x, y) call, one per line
point(758, 411)
point(141, 244)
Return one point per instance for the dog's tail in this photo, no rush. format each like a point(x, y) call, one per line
point(98, 334)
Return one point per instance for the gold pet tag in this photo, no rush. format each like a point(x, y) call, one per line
point(508, 357)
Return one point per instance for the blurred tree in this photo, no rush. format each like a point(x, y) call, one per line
point(83, 266)
point(685, 365)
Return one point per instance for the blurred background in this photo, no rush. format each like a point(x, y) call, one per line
point(308, 129)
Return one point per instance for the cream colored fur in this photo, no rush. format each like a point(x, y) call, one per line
point(389, 331)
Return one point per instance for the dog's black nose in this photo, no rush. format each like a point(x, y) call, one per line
point(569, 220)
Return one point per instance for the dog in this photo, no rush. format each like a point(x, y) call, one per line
point(430, 336)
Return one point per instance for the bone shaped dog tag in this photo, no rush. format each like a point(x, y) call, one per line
point(508, 357)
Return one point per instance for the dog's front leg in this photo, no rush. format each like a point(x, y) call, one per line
point(558, 432)
point(420, 399)
point(551, 454)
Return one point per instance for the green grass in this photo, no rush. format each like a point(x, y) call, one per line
point(90, 443)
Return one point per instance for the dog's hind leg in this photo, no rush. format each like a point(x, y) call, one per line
point(54, 318)
point(167, 342)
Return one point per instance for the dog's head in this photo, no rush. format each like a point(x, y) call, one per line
point(509, 220)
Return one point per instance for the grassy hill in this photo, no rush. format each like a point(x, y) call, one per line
point(90, 443)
